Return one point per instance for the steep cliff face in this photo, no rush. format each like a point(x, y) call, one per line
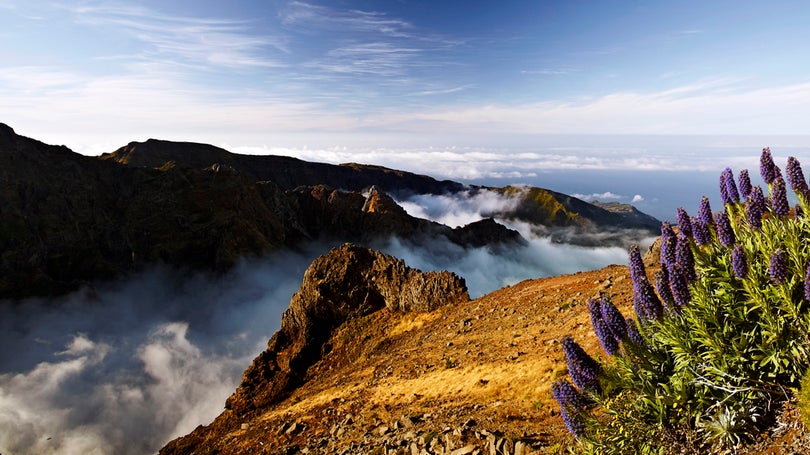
point(345, 285)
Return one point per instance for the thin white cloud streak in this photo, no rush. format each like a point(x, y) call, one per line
point(208, 42)
point(316, 17)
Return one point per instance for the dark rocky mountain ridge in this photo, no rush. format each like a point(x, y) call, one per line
point(536, 205)
point(67, 219)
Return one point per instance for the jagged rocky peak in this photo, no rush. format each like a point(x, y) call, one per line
point(380, 202)
point(346, 283)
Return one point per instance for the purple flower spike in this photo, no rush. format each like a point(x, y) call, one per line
point(614, 319)
point(582, 368)
point(667, 245)
point(724, 231)
point(684, 257)
point(779, 202)
point(767, 169)
point(684, 223)
point(777, 269)
point(646, 302)
point(745, 183)
point(703, 235)
point(732, 196)
point(807, 284)
point(739, 263)
point(606, 339)
point(679, 286)
point(705, 212)
point(603, 333)
point(662, 285)
point(633, 333)
point(572, 403)
point(755, 208)
point(724, 190)
point(795, 178)
point(637, 271)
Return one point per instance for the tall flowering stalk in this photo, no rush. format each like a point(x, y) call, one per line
point(739, 263)
point(701, 232)
point(679, 284)
point(779, 202)
point(725, 233)
point(745, 183)
point(795, 178)
point(663, 286)
point(668, 243)
point(572, 404)
point(684, 258)
point(603, 333)
point(728, 189)
point(637, 271)
point(755, 208)
point(705, 212)
point(582, 368)
point(767, 168)
point(613, 318)
point(777, 267)
point(684, 223)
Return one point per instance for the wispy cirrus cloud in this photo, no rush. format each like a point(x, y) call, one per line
point(204, 41)
point(382, 49)
point(309, 16)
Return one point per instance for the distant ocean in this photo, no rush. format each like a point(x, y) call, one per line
point(656, 193)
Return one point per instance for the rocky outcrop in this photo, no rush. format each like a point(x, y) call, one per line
point(344, 285)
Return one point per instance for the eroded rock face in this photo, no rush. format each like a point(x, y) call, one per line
point(346, 283)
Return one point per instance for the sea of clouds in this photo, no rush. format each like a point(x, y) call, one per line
point(124, 367)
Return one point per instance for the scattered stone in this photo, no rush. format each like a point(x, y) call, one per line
point(466, 450)
point(406, 422)
point(294, 428)
point(245, 426)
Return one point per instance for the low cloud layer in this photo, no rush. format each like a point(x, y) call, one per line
point(128, 366)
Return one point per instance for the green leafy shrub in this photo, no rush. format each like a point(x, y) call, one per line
point(720, 340)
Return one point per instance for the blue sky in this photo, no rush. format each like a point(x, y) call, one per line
point(376, 79)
